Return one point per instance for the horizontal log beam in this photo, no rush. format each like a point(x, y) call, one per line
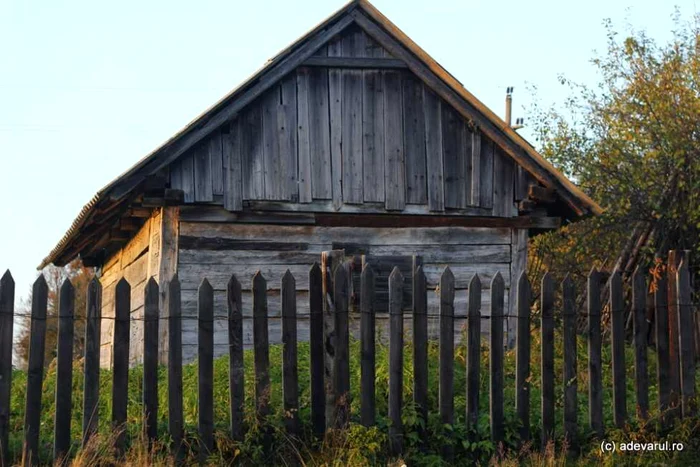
point(355, 62)
point(365, 208)
point(541, 194)
point(170, 197)
point(187, 242)
point(369, 220)
point(219, 214)
point(526, 205)
point(139, 212)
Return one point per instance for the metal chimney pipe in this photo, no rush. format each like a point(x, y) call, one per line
point(509, 104)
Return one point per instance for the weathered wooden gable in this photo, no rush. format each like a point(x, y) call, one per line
point(351, 126)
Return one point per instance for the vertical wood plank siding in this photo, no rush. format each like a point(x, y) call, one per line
point(231, 155)
point(303, 136)
point(373, 135)
point(414, 140)
point(352, 136)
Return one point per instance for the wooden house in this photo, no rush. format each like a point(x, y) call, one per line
point(351, 139)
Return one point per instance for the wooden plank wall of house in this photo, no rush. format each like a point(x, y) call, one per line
point(217, 250)
point(141, 258)
point(351, 137)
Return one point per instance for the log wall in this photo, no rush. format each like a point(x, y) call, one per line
point(217, 250)
point(139, 260)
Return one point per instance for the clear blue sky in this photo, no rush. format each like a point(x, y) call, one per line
point(88, 88)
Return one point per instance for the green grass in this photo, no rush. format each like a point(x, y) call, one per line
point(360, 445)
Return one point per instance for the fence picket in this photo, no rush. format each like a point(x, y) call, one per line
point(522, 357)
point(641, 375)
point(674, 259)
point(120, 363)
point(395, 360)
point(685, 332)
point(447, 296)
point(595, 372)
point(64, 371)
point(290, 378)
point(91, 383)
point(175, 416)
point(473, 353)
point(341, 364)
point(547, 357)
point(7, 310)
point(617, 338)
point(496, 359)
point(420, 348)
point(35, 371)
point(150, 359)
point(316, 362)
point(205, 366)
point(261, 347)
point(236, 373)
point(663, 364)
point(570, 368)
point(367, 357)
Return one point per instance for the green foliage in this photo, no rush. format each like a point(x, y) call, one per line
point(632, 144)
point(269, 444)
point(80, 277)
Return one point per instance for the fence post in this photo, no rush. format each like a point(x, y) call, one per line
point(595, 371)
point(570, 369)
point(447, 296)
point(120, 361)
point(685, 332)
point(662, 356)
point(473, 354)
point(35, 371)
point(150, 358)
point(496, 359)
point(367, 357)
point(175, 421)
point(205, 366)
point(547, 357)
point(64, 371)
point(316, 356)
point(674, 259)
point(7, 311)
point(522, 356)
point(395, 360)
point(641, 376)
point(617, 338)
point(290, 383)
point(341, 363)
point(261, 347)
point(91, 383)
point(236, 372)
point(420, 348)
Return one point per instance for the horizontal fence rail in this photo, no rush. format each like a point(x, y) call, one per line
point(557, 303)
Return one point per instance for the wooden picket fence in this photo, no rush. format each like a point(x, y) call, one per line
point(675, 397)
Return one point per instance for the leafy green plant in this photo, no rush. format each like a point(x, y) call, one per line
point(267, 443)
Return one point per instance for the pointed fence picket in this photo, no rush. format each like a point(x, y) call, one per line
point(153, 317)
